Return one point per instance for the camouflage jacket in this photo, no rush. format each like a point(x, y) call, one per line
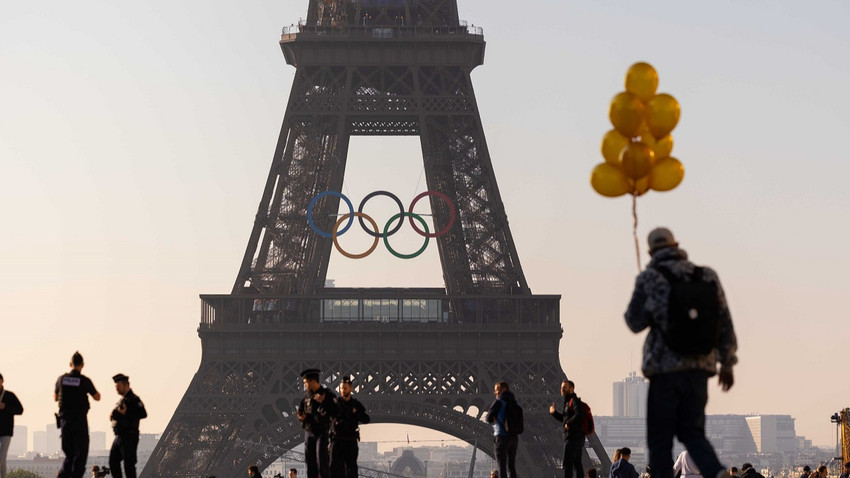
point(648, 308)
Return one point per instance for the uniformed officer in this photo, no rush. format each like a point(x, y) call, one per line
point(125, 423)
point(315, 412)
point(72, 391)
point(345, 432)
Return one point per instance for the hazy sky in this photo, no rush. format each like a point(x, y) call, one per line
point(135, 140)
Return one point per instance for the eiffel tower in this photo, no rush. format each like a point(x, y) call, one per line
point(427, 357)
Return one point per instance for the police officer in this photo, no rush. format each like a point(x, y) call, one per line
point(71, 391)
point(345, 432)
point(125, 423)
point(315, 413)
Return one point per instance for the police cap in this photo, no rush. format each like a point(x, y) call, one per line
point(311, 374)
point(120, 378)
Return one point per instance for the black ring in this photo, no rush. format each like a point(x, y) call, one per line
point(400, 210)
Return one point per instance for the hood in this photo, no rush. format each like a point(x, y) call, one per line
point(669, 254)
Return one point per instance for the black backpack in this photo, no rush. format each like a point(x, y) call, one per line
point(514, 422)
point(693, 314)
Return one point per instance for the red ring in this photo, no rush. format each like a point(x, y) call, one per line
point(442, 231)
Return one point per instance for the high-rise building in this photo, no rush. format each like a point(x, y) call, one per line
point(773, 433)
point(53, 443)
point(20, 443)
point(630, 396)
point(39, 442)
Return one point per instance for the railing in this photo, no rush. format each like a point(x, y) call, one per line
point(228, 311)
point(382, 31)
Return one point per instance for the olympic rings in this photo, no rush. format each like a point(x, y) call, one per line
point(387, 241)
point(374, 243)
point(375, 232)
point(451, 217)
point(400, 209)
point(347, 203)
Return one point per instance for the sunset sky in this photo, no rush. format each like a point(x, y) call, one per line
point(136, 137)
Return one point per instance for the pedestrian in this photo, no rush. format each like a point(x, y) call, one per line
point(685, 466)
point(72, 391)
point(572, 415)
point(293, 473)
point(315, 412)
point(846, 473)
point(506, 441)
point(125, 424)
point(345, 431)
point(806, 472)
point(673, 297)
point(822, 472)
point(747, 471)
point(733, 472)
point(622, 468)
point(254, 472)
point(9, 407)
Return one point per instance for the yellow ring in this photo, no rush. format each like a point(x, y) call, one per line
point(374, 244)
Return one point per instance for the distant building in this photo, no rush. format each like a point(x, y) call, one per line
point(730, 435)
point(630, 396)
point(773, 433)
point(20, 442)
point(39, 442)
point(53, 443)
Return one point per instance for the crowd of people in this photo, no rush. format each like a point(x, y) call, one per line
point(690, 335)
point(72, 392)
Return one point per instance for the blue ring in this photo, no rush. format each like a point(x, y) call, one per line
point(313, 203)
point(400, 209)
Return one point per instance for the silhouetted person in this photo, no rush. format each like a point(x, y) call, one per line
point(71, 391)
point(506, 442)
point(315, 412)
point(9, 407)
point(622, 468)
point(125, 424)
point(345, 432)
point(572, 416)
point(673, 297)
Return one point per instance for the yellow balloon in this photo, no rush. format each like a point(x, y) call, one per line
point(662, 147)
point(662, 114)
point(609, 180)
point(666, 174)
point(612, 143)
point(626, 114)
point(642, 80)
point(637, 160)
point(639, 187)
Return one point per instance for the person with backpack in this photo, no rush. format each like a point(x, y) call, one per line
point(690, 333)
point(572, 414)
point(505, 415)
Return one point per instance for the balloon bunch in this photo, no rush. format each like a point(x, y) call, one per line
point(637, 151)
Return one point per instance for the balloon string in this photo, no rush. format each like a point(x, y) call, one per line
point(634, 231)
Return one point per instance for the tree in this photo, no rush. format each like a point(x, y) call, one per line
point(21, 473)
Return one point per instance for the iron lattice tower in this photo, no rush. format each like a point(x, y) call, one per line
point(426, 357)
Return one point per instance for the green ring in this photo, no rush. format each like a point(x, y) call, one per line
point(387, 241)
